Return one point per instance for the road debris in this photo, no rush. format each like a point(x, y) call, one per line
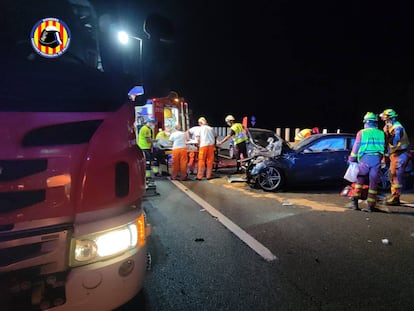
point(385, 241)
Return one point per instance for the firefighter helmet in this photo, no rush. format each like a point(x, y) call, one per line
point(167, 113)
point(388, 114)
point(370, 116)
point(229, 118)
point(50, 37)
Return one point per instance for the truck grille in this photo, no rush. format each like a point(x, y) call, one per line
point(33, 268)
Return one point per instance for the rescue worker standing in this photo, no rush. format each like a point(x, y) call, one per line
point(178, 139)
point(145, 143)
point(207, 142)
point(368, 150)
point(398, 151)
point(239, 135)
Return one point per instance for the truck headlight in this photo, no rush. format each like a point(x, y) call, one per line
point(106, 244)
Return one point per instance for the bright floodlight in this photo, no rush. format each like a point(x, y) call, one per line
point(123, 37)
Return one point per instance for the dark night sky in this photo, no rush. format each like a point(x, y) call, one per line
point(289, 63)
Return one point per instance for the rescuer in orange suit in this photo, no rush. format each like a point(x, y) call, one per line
point(207, 144)
point(398, 151)
point(178, 140)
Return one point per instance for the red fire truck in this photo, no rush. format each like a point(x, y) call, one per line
point(73, 231)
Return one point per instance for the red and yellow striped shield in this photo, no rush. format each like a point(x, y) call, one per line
point(50, 37)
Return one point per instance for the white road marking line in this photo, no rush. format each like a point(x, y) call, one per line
point(240, 233)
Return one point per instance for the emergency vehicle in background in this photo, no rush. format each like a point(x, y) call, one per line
point(72, 179)
point(170, 110)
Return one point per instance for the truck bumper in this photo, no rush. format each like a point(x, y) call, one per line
point(105, 285)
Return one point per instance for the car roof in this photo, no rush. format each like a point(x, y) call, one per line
point(314, 137)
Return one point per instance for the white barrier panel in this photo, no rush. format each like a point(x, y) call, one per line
point(286, 133)
point(278, 132)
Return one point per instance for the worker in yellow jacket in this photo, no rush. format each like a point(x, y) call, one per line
point(306, 133)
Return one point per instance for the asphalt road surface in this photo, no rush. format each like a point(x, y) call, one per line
point(217, 245)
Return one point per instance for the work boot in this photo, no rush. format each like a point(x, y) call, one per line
point(355, 206)
point(393, 201)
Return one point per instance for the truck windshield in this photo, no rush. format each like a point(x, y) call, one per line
point(41, 86)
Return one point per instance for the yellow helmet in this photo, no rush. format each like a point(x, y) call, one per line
point(202, 120)
point(388, 114)
point(229, 118)
point(167, 113)
point(370, 116)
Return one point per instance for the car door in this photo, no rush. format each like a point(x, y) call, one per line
point(323, 159)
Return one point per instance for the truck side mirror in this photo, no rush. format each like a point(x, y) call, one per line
point(136, 91)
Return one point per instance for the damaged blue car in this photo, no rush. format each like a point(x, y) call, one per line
point(318, 159)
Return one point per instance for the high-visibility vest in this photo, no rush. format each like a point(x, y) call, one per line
point(404, 142)
point(144, 133)
point(240, 134)
point(372, 142)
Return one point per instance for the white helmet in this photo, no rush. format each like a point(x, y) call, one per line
point(202, 120)
point(229, 118)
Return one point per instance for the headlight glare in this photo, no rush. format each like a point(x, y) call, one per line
point(106, 244)
point(115, 241)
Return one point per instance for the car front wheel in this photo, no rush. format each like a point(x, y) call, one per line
point(270, 179)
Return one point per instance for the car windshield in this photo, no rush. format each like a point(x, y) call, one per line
point(330, 144)
point(324, 142)
point(298, 145)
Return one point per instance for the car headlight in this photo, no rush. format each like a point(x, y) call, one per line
point(257, 168)
point(106, 244)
